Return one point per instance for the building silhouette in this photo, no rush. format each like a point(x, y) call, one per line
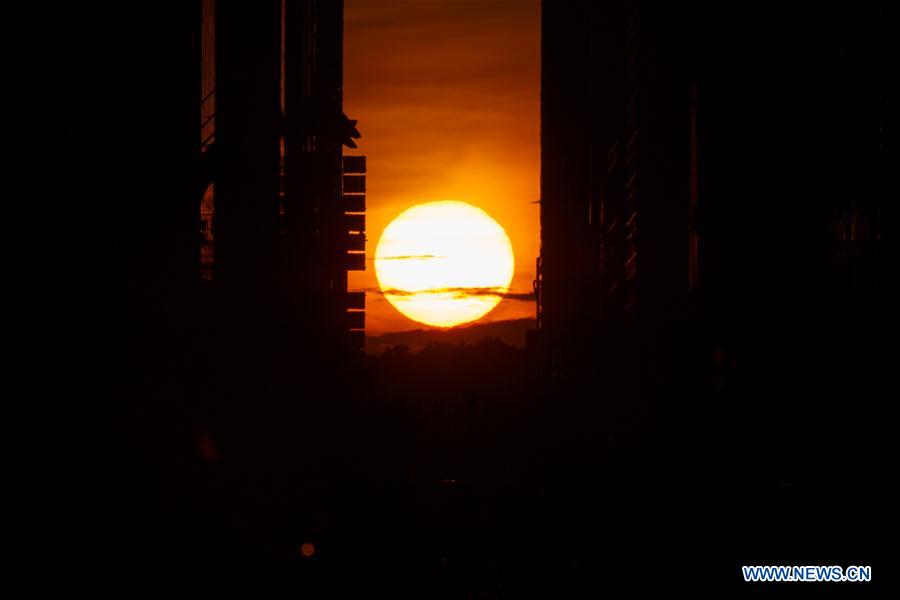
point(715, 188)
point(288, 223)
point(241, 222)
point(242, 218)
point(716, 303)
point(616, 190)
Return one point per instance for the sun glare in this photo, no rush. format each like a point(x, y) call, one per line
point(444, 263)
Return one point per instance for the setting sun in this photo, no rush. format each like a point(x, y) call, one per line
point(444, 263)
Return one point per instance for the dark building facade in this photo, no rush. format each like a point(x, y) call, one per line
point(239, 231)
point(688, 161)
point(243, 219)
point(281, 227)
point(616, 188)
point(717, 308)
point(717, 221)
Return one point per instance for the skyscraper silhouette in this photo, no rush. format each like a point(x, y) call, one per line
point(717, 242)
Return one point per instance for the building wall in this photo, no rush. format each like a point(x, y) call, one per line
point(714, 192)
point(248, 51)
point(615, 175)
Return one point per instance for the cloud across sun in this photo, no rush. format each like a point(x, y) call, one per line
point(444, 263)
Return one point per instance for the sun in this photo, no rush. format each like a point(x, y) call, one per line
point(444, 263)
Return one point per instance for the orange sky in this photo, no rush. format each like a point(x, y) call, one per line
point(447, 93)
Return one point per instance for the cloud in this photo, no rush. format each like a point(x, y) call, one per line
point(409, 257)
point(461, 292)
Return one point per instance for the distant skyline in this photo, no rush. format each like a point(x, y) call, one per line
point(447, 94)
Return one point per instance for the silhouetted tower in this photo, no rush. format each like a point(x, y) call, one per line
point(247, 124)
point(322, 239)
point(614, 180)
point(715, 190)
point(281, 229)
point(153, 96)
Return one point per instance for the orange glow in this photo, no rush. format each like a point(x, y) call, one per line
point(447, 94)
point(307, 550)
point(444, 263)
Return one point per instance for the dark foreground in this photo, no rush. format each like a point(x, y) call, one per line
point(459, 472)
